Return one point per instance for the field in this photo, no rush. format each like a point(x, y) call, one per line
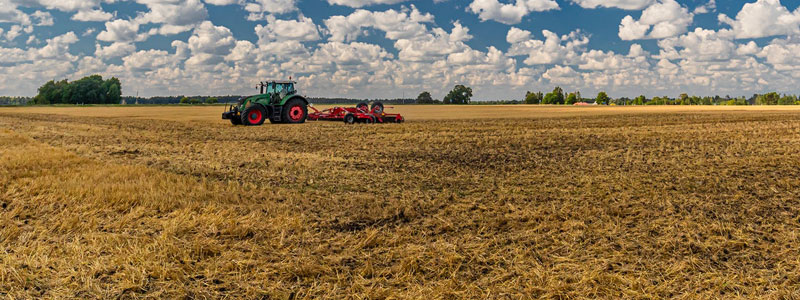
point(508, 202)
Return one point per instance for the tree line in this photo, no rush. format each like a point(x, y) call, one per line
point(88, 90)
point(462, 95)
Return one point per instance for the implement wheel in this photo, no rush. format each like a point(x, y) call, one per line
point(349, 118)
point(295, 111)
point(377, 108)
point(236, 121)
point(254, 116)
point(363, 106)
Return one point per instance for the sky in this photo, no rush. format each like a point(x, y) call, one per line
point(397, 48)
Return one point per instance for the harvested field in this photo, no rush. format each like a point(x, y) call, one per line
point(509, 202)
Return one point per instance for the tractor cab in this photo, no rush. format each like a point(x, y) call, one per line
point(277, 87)
point(277, 102)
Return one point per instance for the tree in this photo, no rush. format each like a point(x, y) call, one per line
point(571, 99)
point(184, 100)
point(194, 101)
point(459, 95)
point(91, 89)
point(602, 98)
point(211, 100)
point(533, 98)
point(639, 100)
point(554, 97)
point(768, 99)
point(424, 98)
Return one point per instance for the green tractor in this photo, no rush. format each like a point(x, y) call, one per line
point(278, 101)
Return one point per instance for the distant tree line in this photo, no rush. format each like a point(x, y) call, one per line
point(88, 90)
point(5, 100)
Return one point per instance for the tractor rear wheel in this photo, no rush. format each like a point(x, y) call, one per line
point(363, 106)
point(349, 118)
point(379, 109)
point(295, 111)
point(254, 115)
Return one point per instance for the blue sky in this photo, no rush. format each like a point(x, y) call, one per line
point(391, 48)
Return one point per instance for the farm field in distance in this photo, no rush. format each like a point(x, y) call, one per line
point(458, 202)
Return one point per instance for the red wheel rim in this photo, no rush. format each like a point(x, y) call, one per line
point(254, 116)
point(296, 113)
point(363, 107)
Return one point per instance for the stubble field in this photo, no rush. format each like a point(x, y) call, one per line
point(509, 202)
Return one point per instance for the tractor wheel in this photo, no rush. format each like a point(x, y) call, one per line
point(363, 106)
point(236, 121)
point(349, 118)
point(254, 116)
point(294, 112)
point(377, 108)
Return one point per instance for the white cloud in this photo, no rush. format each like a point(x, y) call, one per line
point(664, 19)
point(623, 4)
point(434, 45)
point(148, 60)
point(222, 2)
point(114, 50)
point(43, 18)
point(700, 45)
point(404, 24)
point(258, 8)
point(302, 29)
point(509, 13)
point(563, 75)
point(210, 44)
point(362, 3)
point(783, 54)
point(553, 50)
point(121, 31)
point(57, 47)
point(94, 15)
point(709, 7)
point(176, 16)
point(763, 18)
point(750, 48)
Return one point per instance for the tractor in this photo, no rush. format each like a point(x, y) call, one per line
point(277, 101)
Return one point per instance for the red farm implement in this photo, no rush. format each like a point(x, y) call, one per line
point(362, 113)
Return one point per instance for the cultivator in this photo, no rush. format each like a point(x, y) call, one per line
point(279, 102)
point(361, 113)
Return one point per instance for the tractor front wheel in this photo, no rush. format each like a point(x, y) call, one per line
point(295, 111)
point(254, 115)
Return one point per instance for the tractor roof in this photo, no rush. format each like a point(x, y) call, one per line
point(279, 81)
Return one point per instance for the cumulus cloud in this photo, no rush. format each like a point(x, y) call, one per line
point(700, 45)
point(94, 15)
point(763, 18)
point(362, 3)
point(509, 13)
point(258, 8)
point(175, 16)
point(209, 44)
point(114, 50)
point(124, 31)
point(554, 49)
point(623, 4)
point(404, 24)
point(666, 18)
point(302, 29)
